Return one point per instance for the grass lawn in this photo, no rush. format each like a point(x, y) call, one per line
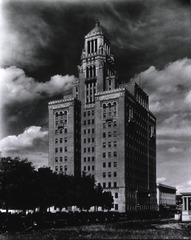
point(120, 230)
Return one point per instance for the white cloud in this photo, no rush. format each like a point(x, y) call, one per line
point(23, 140)
point(169, 88)
point(15, 86)
point(175, 150)
point(161, 179)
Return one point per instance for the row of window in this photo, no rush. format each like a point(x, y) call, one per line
point(109, 144)
point(89, 122)
point(88, 140)
point(109, 124)
point(109, 134)
point(88, 168)
point(65, 168)
point(61, 149)
point(61, 159)
point(61, 121)
point(89, 158)
point(89, 130)
point(89, 113)
point(109, 164)
point(89, 149)
point(110, 185)
point(109, 174)
point(61, 131)
point(109, 154)
point(61, 140)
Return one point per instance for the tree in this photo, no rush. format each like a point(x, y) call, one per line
point(65, 193)
point(107, 200)
point(16, 182)
point(45, 191)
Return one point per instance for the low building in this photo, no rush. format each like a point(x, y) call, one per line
point(186, 206)
point(166, 197)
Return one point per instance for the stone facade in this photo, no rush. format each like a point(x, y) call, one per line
point(110, 134)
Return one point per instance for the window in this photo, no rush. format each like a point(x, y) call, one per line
point(104, 125)
point(88, 159)
point(88, 122)
point(65, 158)
point(56, 150)
point(88, 168)
point(56, 168)
point(88, 113)
point(88, 140)
point(88, 130)
point(114, 124)
point(109, 184)
point(60, 140)
point(109, 154)
point(84, 168)
point(116, 195)
point(109, 144)
point(84, 114)
point(115, 144)
point(92, 139)
point(109, 124)
point(92, 121)
point(115, 174)
point(116, 206)
point(104, 174)
point(56, 159)
point(84, 122)
point(65, 149)
point(92, 112)
point(84, 150)
point(93, 159)
point(84, 131)
point(115, 164)
point(65, 130)
point(104, 155)
point(109, 134)
point(88, 149)
point(61, 168)
point(84, 159)
point(60, 130)
point(115, 134)
point(104, 165)
point(104, 185)
point(92, 149)
point(115, 184)
point(56, 140)
point(84, 140)
point(104, 135)
point(109, 174)
point(115, 154)
point(92, 168)
point(104, 144)
point(109, 164)
point(92, 130)
point(60, 159)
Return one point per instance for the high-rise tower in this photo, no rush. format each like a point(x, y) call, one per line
point(106, 129)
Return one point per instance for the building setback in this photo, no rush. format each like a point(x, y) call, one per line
point(106, 129)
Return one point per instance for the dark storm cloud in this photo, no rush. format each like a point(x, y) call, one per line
point(142, 33)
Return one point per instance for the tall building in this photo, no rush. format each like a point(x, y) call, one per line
point(106, 129)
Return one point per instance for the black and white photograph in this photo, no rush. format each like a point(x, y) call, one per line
point(95, 119)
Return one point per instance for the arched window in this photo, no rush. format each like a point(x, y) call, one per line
point(114, 109)
point(60, 130)
point(109, 106)
point(90, 71)
point(87, 72)
point(104, 110)
point(56, 114)
point(65, 113)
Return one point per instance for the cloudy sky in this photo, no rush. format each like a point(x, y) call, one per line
point(41, 43)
